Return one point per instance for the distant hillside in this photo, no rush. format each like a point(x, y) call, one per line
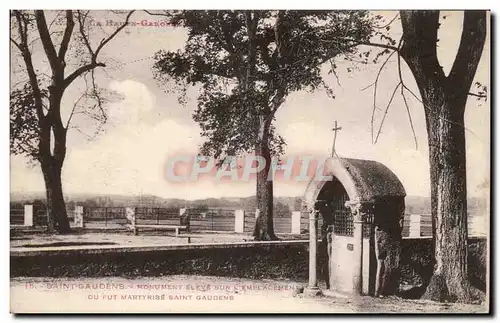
point(414, 204)
point(422, 205)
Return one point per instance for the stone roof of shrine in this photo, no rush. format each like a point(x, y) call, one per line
point(363, 180)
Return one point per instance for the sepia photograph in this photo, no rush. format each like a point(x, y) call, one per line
point(249, 161)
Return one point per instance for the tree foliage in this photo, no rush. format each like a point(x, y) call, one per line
point(246, 63)
point(24, 133)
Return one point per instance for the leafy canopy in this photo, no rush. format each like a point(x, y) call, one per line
point(246, 63)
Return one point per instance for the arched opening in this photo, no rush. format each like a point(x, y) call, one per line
point(334, 195)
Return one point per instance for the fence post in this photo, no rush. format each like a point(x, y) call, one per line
point(185, 218)
point(296, 222)
point(130, 214)
point(239, 221)
point(78, 217)
point(213, 214)
point(28, 215)
point(414, 225)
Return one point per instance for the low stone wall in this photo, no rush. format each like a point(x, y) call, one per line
point(249, 260)
point(417, 261)
point(281, 260)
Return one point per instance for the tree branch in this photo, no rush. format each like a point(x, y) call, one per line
point(70, 24)
point(469, 51)
point(89, 137)
point(375, 91)
point(23, 46)
point(105, 41)
point(409, 117)
point(355, 42)
point(385, 112)
point(389, 23)
point(55, 19)
point(96, 95)
point(73, 76)
point(74, 108)
point(437, 115)
point(402, 87)
point(420, 35)
point(477, 95)
point(93, 64)
point(404, 98)
point(47, 43)
point(17, 45)
point(81, 23)
point(332, 66)
point(157, 14)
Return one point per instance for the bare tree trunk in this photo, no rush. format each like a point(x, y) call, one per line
point(52, 162)
point(264, 226)
point(444, 99)
point(57, 216)
point(449, 189)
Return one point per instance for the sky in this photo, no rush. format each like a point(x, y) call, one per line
point(148, 124)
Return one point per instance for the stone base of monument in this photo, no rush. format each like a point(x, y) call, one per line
point(312, 292)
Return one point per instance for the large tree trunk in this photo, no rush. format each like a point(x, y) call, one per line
point(51, 162)
point(444, 99)
point(449, 200)
point(264, 226)
point(57, 218)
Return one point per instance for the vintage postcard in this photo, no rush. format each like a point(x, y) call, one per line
point(249, 161)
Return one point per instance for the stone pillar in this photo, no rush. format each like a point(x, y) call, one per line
point(78, 217)
point(28, 215)
point(312, 287)
point(185, 218)
point(296, 222)
point(357, 259)
point(239, 221)
point(330, 234)
point(358, 255)
point(130, 214)
point(414, 226)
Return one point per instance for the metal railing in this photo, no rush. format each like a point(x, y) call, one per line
point(217, 219)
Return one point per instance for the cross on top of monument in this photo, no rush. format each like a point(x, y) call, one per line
point(335, 129)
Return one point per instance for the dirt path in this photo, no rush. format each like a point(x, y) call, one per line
point(195, 294)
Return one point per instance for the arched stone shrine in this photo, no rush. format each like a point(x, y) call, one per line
point(362, 207)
